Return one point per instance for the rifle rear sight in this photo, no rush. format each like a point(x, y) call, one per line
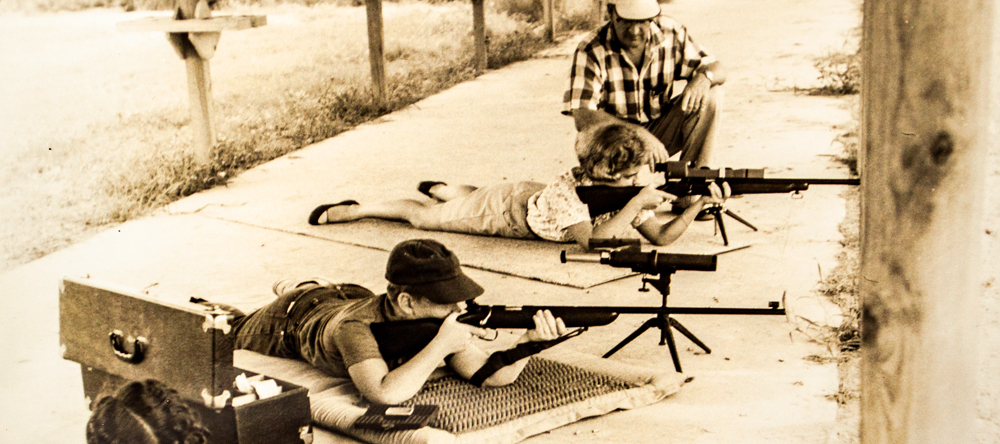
point(647, 262)
point(679, 170)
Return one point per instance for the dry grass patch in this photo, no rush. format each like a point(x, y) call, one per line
point(300, 79)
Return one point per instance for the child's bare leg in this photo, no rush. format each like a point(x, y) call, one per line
point(445, 192)
point(405, 210)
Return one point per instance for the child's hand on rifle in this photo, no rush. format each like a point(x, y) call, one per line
point(547, 327)
point(719, 195)
point(454, 337)
point(649, 198)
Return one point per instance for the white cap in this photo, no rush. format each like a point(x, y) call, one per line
point(636, 9)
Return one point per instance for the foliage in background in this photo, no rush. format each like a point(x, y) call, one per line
point(155, 180)
point(65, 188)
point(839, 73)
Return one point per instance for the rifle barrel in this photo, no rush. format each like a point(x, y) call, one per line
point(603, 199)
point(612, 312)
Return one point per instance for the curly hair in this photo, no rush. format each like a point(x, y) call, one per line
point(606, 151)
point(145, 412)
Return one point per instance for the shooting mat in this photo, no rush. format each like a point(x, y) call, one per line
point(556, 388)
point(530, 259)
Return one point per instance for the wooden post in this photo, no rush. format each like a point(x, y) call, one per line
point(194, 33)
point(925, 136)
point(549, 20)
point(376, 47)
point(199, 89)
point(479, 35)
point(601, 10)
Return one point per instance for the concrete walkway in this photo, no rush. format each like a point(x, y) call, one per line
point(767, 380)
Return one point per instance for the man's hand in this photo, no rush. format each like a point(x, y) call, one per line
point(454, 337)
point(657, 152)
point(694, 94)
point(547, 327)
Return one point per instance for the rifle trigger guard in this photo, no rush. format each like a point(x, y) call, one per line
point(496, 335)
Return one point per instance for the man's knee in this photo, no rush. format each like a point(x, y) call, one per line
point(713, 101)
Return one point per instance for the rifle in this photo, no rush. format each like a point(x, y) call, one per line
point(403, 339)
point(400, 340)
point(683, 180)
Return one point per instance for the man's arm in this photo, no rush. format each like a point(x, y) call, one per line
point(376, 383)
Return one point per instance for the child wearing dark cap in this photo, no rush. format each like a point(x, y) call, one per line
point(328, 325)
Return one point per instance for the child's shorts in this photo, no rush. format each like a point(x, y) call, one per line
point(495, 210)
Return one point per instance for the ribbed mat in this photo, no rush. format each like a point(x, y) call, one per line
point(542, 385)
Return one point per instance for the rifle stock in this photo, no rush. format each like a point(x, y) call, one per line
point(603, 199)
point(403, 339)
point(400, 340)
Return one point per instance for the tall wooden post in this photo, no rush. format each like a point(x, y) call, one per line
point(924, 129)
point(199, 86)
point(549, 20)
point(602, 6)
point(194, 34)
point(479, 35)
point(376, 47)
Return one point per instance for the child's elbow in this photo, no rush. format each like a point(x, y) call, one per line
point(384, 397)
point(662, 241)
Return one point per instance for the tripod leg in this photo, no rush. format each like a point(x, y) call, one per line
point(642, 329)
point(740, 220)
point(671, 345)
point(684, 331)
point(722, 227)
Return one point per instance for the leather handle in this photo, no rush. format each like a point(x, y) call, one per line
point(138, 346)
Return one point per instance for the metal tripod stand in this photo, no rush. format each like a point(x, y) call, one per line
point(662, 321)
point(717, 211)
point(665, 322)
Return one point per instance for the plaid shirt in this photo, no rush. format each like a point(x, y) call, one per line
point(604, 78)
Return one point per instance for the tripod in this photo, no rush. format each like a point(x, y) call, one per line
point(717, 211)
point(662, 321)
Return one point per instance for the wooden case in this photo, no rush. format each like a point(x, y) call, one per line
point(119, 335)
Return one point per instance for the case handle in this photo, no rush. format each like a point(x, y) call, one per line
point(138, 346)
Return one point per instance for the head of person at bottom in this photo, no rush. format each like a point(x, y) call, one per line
point(146, 412)
point(612, 154)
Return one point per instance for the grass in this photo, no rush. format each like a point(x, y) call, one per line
point(306, 85)
point(839, 74)
point(841, 286)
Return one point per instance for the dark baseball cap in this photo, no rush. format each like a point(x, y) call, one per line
point(430, 271)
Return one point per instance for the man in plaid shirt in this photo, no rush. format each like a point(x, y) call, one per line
point(626, 69)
